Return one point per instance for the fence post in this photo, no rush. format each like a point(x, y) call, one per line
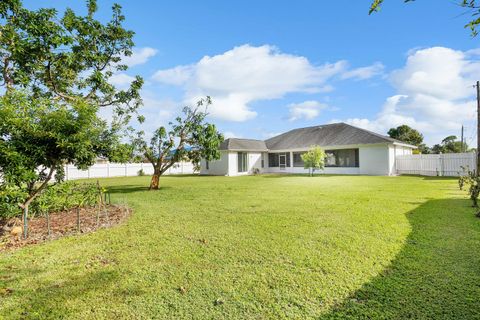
point(126, 170)
point(442, 158)
point(108, 169)
point(66, 172)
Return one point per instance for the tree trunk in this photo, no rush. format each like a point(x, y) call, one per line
point(25, 222)
point(48, 223)
point(155, 182)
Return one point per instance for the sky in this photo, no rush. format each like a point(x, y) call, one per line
point(271, 66)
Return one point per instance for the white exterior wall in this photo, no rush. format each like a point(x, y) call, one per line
point(254, 161)
point(232, 164)
point(215, 167)
point(227, 165)
point(378, 159)
point(301, 170)
point(375, 160)
point(394, 151)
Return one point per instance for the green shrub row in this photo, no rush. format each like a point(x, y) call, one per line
point(58, 197)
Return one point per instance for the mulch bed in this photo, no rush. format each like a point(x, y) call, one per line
point(62, 224)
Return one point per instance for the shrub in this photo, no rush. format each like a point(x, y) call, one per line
point(314, 159)
point(472, 180)
point(10, 197)
point(140, 173)
point(66, 195)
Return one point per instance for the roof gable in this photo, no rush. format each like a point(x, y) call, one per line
point(243, 145)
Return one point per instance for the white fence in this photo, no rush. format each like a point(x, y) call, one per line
point(122, 170)
point(448, 164)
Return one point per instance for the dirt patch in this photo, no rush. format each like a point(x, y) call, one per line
point(62, 224)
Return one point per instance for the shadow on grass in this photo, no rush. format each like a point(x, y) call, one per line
point(133, 189)
point(321, 175)
point(316, 175)
point(435, 276)
point(53, 299)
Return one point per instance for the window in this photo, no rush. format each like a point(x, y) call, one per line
point(342, 158)
point(242, 161)
point(274, 159)
point(263, 161)
point(297, 159)
point(207, 164)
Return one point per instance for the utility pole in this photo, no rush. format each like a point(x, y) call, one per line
point(478, 127)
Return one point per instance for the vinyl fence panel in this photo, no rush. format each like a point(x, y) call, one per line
point(448, 164)
point(106, 170)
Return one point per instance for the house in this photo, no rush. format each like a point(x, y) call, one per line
point(350, 150)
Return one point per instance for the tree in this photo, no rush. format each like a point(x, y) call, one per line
point(55, 72)
point(450, 145)
point(314, 159)
point(190, 138)
point(472, 5)
point(424, 149)
point(406, 134)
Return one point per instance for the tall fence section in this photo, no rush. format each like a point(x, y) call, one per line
point(122, 170)
point(448, 164)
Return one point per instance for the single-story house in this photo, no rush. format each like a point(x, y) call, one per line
point(350, 150)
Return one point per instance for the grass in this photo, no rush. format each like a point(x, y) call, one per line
point(264, 247)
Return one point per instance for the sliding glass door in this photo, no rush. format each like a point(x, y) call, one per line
point(242, 162)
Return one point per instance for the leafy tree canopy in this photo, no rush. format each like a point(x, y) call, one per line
point(190, 138)
point(472, 5)
point(406, 134)
point(54, 74)
point(450, 145)
point(314, 159)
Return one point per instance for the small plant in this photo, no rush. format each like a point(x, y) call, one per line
point(140, 173)
point(472, 180)
point(314, 159)
point(256, 171)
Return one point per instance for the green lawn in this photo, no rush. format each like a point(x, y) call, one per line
point(264, 247)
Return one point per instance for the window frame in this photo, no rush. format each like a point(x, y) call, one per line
point(335, 152)
point(244, 157)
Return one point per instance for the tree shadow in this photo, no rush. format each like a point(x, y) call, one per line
point(439, 178)
point(316, 175)
point(435, 276)
point(133, 189)
point(51, 299)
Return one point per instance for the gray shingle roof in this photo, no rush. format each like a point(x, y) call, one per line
point(335, 134)
point(243, 144)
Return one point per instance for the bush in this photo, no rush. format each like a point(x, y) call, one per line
point(470, 179)
point(140, 173)
point(57, 197)
point(10, 197)
point(66, 195)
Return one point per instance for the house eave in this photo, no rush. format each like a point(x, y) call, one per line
point(334, 147)
point(405, 145)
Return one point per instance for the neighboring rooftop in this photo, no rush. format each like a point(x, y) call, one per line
point(335, 134)
point(243, 145)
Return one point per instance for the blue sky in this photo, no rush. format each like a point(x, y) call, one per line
point(271, 66)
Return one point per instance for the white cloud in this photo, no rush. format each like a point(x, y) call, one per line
point(121, 80)
point(434, 94)
point(175, 76)
point(246, 74)
point(230, 134)
point(139, 56)
point(364, 72)
point(306, 110)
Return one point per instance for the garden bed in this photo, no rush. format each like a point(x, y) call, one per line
point(62, 224)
